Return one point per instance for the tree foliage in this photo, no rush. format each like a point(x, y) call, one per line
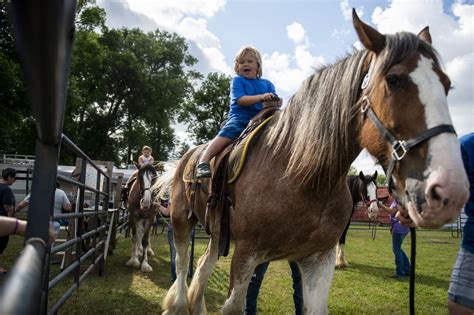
point(208, 108)
point(126, 88)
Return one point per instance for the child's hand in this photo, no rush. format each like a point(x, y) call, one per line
point(267, 97)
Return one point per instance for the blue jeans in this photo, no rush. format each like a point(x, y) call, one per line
point(256, 282)
point(172, 254)
point(401, 260)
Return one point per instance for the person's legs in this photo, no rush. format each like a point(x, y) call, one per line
point(215, 146)
point(297, 288)
point(406, 263)
point(397, 240)
point(254, 288)
point(172, 255)
point(461, 288)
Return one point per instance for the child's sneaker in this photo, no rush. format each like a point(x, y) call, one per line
point(203, 170)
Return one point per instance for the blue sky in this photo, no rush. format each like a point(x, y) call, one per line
point(295, 36)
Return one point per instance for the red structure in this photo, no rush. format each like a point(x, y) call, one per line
point(360, 213)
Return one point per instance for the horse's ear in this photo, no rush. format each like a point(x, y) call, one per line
point(160, 167)
point(375, 176)
point(361, 175)
point(425, 35)
point(369, 37)
point(137, 164)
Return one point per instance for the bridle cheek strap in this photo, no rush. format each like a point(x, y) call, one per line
point(400, 147)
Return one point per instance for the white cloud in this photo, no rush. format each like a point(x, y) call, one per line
point(346, 10)
point(278, 66)
point(188, 18)
point(296, 32)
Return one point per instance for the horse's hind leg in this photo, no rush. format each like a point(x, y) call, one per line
point(203, 271)
point(341, 261)
point(242, 268)
point(317, 271)
point(176, 301)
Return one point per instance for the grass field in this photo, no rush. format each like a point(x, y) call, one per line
point(364, 287)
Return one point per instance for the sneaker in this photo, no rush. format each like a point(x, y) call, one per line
point(203, 170)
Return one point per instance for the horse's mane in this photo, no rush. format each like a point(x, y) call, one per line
point(316, 128)
point(162, 186)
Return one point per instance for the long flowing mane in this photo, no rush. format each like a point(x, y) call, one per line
point(315, 127)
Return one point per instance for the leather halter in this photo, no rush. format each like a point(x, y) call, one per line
point(399, 147)
point(368, 203)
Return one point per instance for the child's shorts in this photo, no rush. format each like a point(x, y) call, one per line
point(461, 289)
point(233, 128)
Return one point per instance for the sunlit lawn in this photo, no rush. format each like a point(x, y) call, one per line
point(364, 287)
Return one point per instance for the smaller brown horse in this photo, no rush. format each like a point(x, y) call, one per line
point(142, 213)
point(363, 188)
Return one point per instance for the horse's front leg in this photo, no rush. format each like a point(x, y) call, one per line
point(176, 301)
point(203, 271)
point(146, 244)
point(242, 268)
point(133, 261)
point(317, 271)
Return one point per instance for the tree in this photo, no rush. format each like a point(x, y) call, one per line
point(352, 171)
point(208, 108)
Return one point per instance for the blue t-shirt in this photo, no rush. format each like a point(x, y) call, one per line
point(241, 86)
point(467, 152)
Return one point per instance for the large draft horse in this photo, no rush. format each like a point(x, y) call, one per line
point(142, 213)
point(362, 188)
point(292, 201)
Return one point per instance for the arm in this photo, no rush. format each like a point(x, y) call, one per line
point(23, 204)
point(388, 209)
point(12, 226)
point(165, 210)
point(249, 100)
point(10, 209)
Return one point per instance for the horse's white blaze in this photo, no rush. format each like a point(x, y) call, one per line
point(445, 170)
point(373, 207)
point(146, 199)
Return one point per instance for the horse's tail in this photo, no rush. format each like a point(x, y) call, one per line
point(161, 189)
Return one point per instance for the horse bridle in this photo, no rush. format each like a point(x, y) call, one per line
point(371, 201)
point(400, 147)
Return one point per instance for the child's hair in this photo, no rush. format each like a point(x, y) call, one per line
point(145, 147)
point(252, 51)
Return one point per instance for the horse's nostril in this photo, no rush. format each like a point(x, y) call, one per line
point(435, 194)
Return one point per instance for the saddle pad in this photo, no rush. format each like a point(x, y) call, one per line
point(238, 154)
point(188, 174)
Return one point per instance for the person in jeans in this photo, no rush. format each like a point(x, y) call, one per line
point(256, 282)
point(461, 288)
point(399, 232)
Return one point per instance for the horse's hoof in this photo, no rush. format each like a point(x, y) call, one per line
point(342, 265)
point(146, 268)
point(133, 262)
point(150, 252)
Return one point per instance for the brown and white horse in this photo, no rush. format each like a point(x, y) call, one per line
point(284, 200)
point(362, 188)
point(142, 213)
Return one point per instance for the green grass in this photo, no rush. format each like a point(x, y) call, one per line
point(364, 287)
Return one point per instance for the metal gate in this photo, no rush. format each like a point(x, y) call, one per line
point(44, 32)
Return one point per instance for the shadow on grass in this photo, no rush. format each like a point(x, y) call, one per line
point(383, 273)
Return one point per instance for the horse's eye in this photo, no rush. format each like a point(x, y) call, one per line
point(393, 80)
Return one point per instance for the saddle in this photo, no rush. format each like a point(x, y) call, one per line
point(226, 167)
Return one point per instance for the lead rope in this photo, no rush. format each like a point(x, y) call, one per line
point(373, 229)
point(412, 271)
